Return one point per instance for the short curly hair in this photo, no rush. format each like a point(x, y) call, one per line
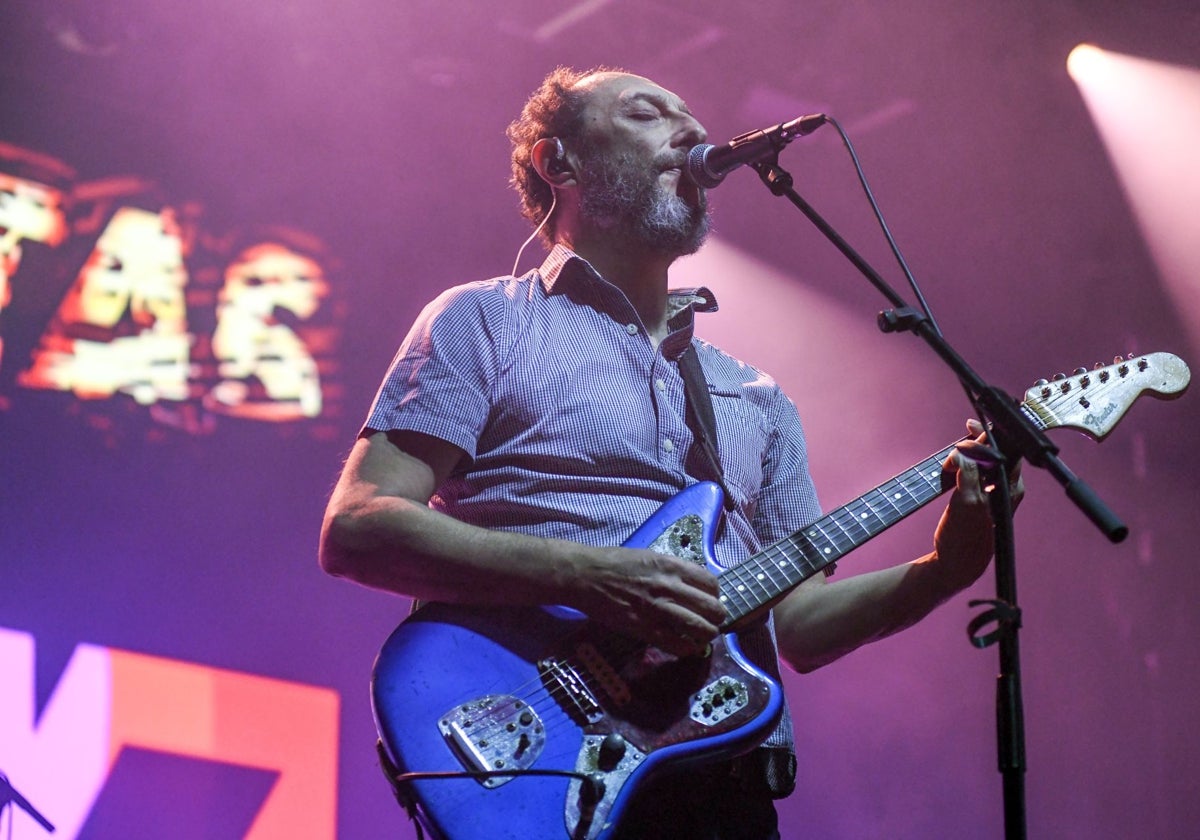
point(554, 110)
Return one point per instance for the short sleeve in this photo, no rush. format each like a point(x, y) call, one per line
point(441, 380)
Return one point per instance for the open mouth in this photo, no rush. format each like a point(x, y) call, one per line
point(684, 187)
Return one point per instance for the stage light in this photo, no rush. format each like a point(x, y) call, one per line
point(1085, 61)
point(1147, 114)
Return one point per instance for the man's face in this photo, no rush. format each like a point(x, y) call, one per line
point(634, 147)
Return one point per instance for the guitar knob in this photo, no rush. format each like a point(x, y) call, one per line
point(591, 792)
point(612, 750)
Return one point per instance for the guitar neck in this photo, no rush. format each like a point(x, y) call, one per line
point(756, 584)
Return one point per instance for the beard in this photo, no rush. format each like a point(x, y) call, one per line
point(622, 194)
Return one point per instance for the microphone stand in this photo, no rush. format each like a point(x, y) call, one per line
point(9, 794)
point(1015, 437)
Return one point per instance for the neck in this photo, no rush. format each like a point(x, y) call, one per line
point(639, 272)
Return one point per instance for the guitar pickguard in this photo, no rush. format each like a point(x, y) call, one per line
point(684, 539)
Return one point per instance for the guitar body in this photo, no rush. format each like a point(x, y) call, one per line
point(544, 690)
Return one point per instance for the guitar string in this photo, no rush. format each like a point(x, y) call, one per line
point(910, 491)
point(533, 695)
point(924, 478)
point(749, 574)
point(554, 701)
point(558, 698)
point(920, 484)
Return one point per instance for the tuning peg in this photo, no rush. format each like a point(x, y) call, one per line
point(1058, 376)
point(1079, 371)
point(1118, 359)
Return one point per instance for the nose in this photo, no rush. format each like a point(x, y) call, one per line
point(690, 133)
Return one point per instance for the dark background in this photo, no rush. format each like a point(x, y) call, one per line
point(379, 128)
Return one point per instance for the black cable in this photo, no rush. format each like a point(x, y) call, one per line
point(887, 233)
point(903, 263)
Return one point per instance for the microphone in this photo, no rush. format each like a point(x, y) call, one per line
point(707, 165)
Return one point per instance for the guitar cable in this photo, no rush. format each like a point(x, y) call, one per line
point(591, 791)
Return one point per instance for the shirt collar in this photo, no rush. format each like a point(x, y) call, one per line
point(563, 267)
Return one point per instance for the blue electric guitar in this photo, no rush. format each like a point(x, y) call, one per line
point(537, 724)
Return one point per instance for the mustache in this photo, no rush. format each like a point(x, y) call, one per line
point(671, 161)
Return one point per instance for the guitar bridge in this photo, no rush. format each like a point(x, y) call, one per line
point(496, 732)
point(571, 692)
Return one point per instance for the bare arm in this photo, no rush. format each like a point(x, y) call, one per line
point(379, 531)
point(820, 622)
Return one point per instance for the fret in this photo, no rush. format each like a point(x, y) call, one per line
point(750, 586)
point(771, 573)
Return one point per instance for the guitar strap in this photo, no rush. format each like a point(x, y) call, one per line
point(700, 417)
point(771, 767)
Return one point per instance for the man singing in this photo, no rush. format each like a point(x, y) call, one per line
point(528, 425)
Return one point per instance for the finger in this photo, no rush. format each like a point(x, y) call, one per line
point(706, 608)
point(979, 451)
point(969, 480)
point(960, 467)
point(678, 638)
point(692, 574)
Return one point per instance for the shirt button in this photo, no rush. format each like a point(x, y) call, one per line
point(662, 386)
point(668, 446)
point(631, 329)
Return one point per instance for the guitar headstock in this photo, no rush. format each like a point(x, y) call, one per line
point(1093, 401)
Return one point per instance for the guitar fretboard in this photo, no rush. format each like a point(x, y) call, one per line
point(775, 570)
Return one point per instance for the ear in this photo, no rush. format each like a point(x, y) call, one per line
point(550, 160)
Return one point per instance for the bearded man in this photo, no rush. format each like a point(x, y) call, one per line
point(528, 425)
